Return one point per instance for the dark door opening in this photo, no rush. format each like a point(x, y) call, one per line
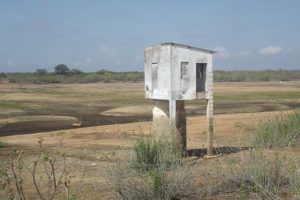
point(200, 77)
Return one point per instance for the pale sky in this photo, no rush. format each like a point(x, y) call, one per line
point(91, 35)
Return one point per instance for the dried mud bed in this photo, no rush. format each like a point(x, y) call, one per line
point(90, 103)
point(96, 119)
point(87, 120)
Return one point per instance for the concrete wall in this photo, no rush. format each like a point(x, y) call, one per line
point(163, 72)
point(157, 85)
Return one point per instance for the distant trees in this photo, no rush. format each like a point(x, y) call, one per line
point(61, 69)
point(3, 77)
point(75, 71)
point(62, 74)
point(41, 71)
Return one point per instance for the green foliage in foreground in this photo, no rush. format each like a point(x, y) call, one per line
point(2, 144)
point(66, 75)
point(155, 172)
point(260, 175)
point(279, 132)
point(147, 154)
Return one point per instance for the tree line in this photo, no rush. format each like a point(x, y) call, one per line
point(63, 74)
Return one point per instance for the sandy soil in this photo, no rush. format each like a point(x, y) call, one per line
point(90, 151)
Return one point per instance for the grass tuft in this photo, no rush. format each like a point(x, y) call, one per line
point(155, 172)
point(279, 132)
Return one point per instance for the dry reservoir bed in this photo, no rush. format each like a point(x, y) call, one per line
point(30, 108)
point(32, 113)
point(90, 151)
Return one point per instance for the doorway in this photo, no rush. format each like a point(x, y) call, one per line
point(200, 77)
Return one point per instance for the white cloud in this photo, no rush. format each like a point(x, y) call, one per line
point(11, 63)
point(270, 50)
point(222, 52)
point(243, 54)
point(88, 60)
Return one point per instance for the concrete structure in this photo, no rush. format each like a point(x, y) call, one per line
point(175, 73)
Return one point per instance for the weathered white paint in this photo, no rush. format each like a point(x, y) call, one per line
point(168, 83)
point(173, 72)
point(161, 127)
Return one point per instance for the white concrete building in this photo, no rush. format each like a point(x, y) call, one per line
point(174, 73)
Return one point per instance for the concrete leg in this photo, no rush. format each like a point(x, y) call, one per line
point(210, 128)
point(181, 123)
point(169, 121)
point(161, 120)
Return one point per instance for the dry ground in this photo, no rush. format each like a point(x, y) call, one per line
point(91, 150)
point(113, 103)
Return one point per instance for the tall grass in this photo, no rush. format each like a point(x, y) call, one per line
point(266, 171)
point(264, 175)
point(155, 171)
point(279, 132)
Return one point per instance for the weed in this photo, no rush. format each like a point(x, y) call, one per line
point(155, 172)
point(2, 144)
point(279, 132)
point(265, 175)
point(147, 154)
point(46, 176)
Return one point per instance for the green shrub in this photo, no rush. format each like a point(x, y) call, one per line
point(266, 175)
point(2, 144)
point(281, 131)
point(156, 171)
point(147, 154)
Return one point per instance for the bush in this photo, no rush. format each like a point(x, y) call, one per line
point(266, 171)
point(155, 172)
point(47, 172)
point(2, 144)
point(279, 132)
point(147, 154)
point(263, 175)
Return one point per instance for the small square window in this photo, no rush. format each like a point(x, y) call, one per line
point(185, 70)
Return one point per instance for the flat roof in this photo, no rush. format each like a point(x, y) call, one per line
point(188, 47)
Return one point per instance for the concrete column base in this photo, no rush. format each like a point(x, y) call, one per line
point(164, 127)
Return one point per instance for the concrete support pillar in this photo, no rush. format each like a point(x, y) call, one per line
point(209, 114)
point(210, 128)
point(169, 122)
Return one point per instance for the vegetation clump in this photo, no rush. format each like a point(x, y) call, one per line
point(279, 132)
point(265, 171)
point(63, 74)
point(155, 172)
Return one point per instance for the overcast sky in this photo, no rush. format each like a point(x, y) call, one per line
point(93, 35)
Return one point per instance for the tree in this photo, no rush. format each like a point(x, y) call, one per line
point(61, 69)
point(75, 71)
point(41, 71)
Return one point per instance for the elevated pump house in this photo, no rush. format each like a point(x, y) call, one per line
point(175, 73)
